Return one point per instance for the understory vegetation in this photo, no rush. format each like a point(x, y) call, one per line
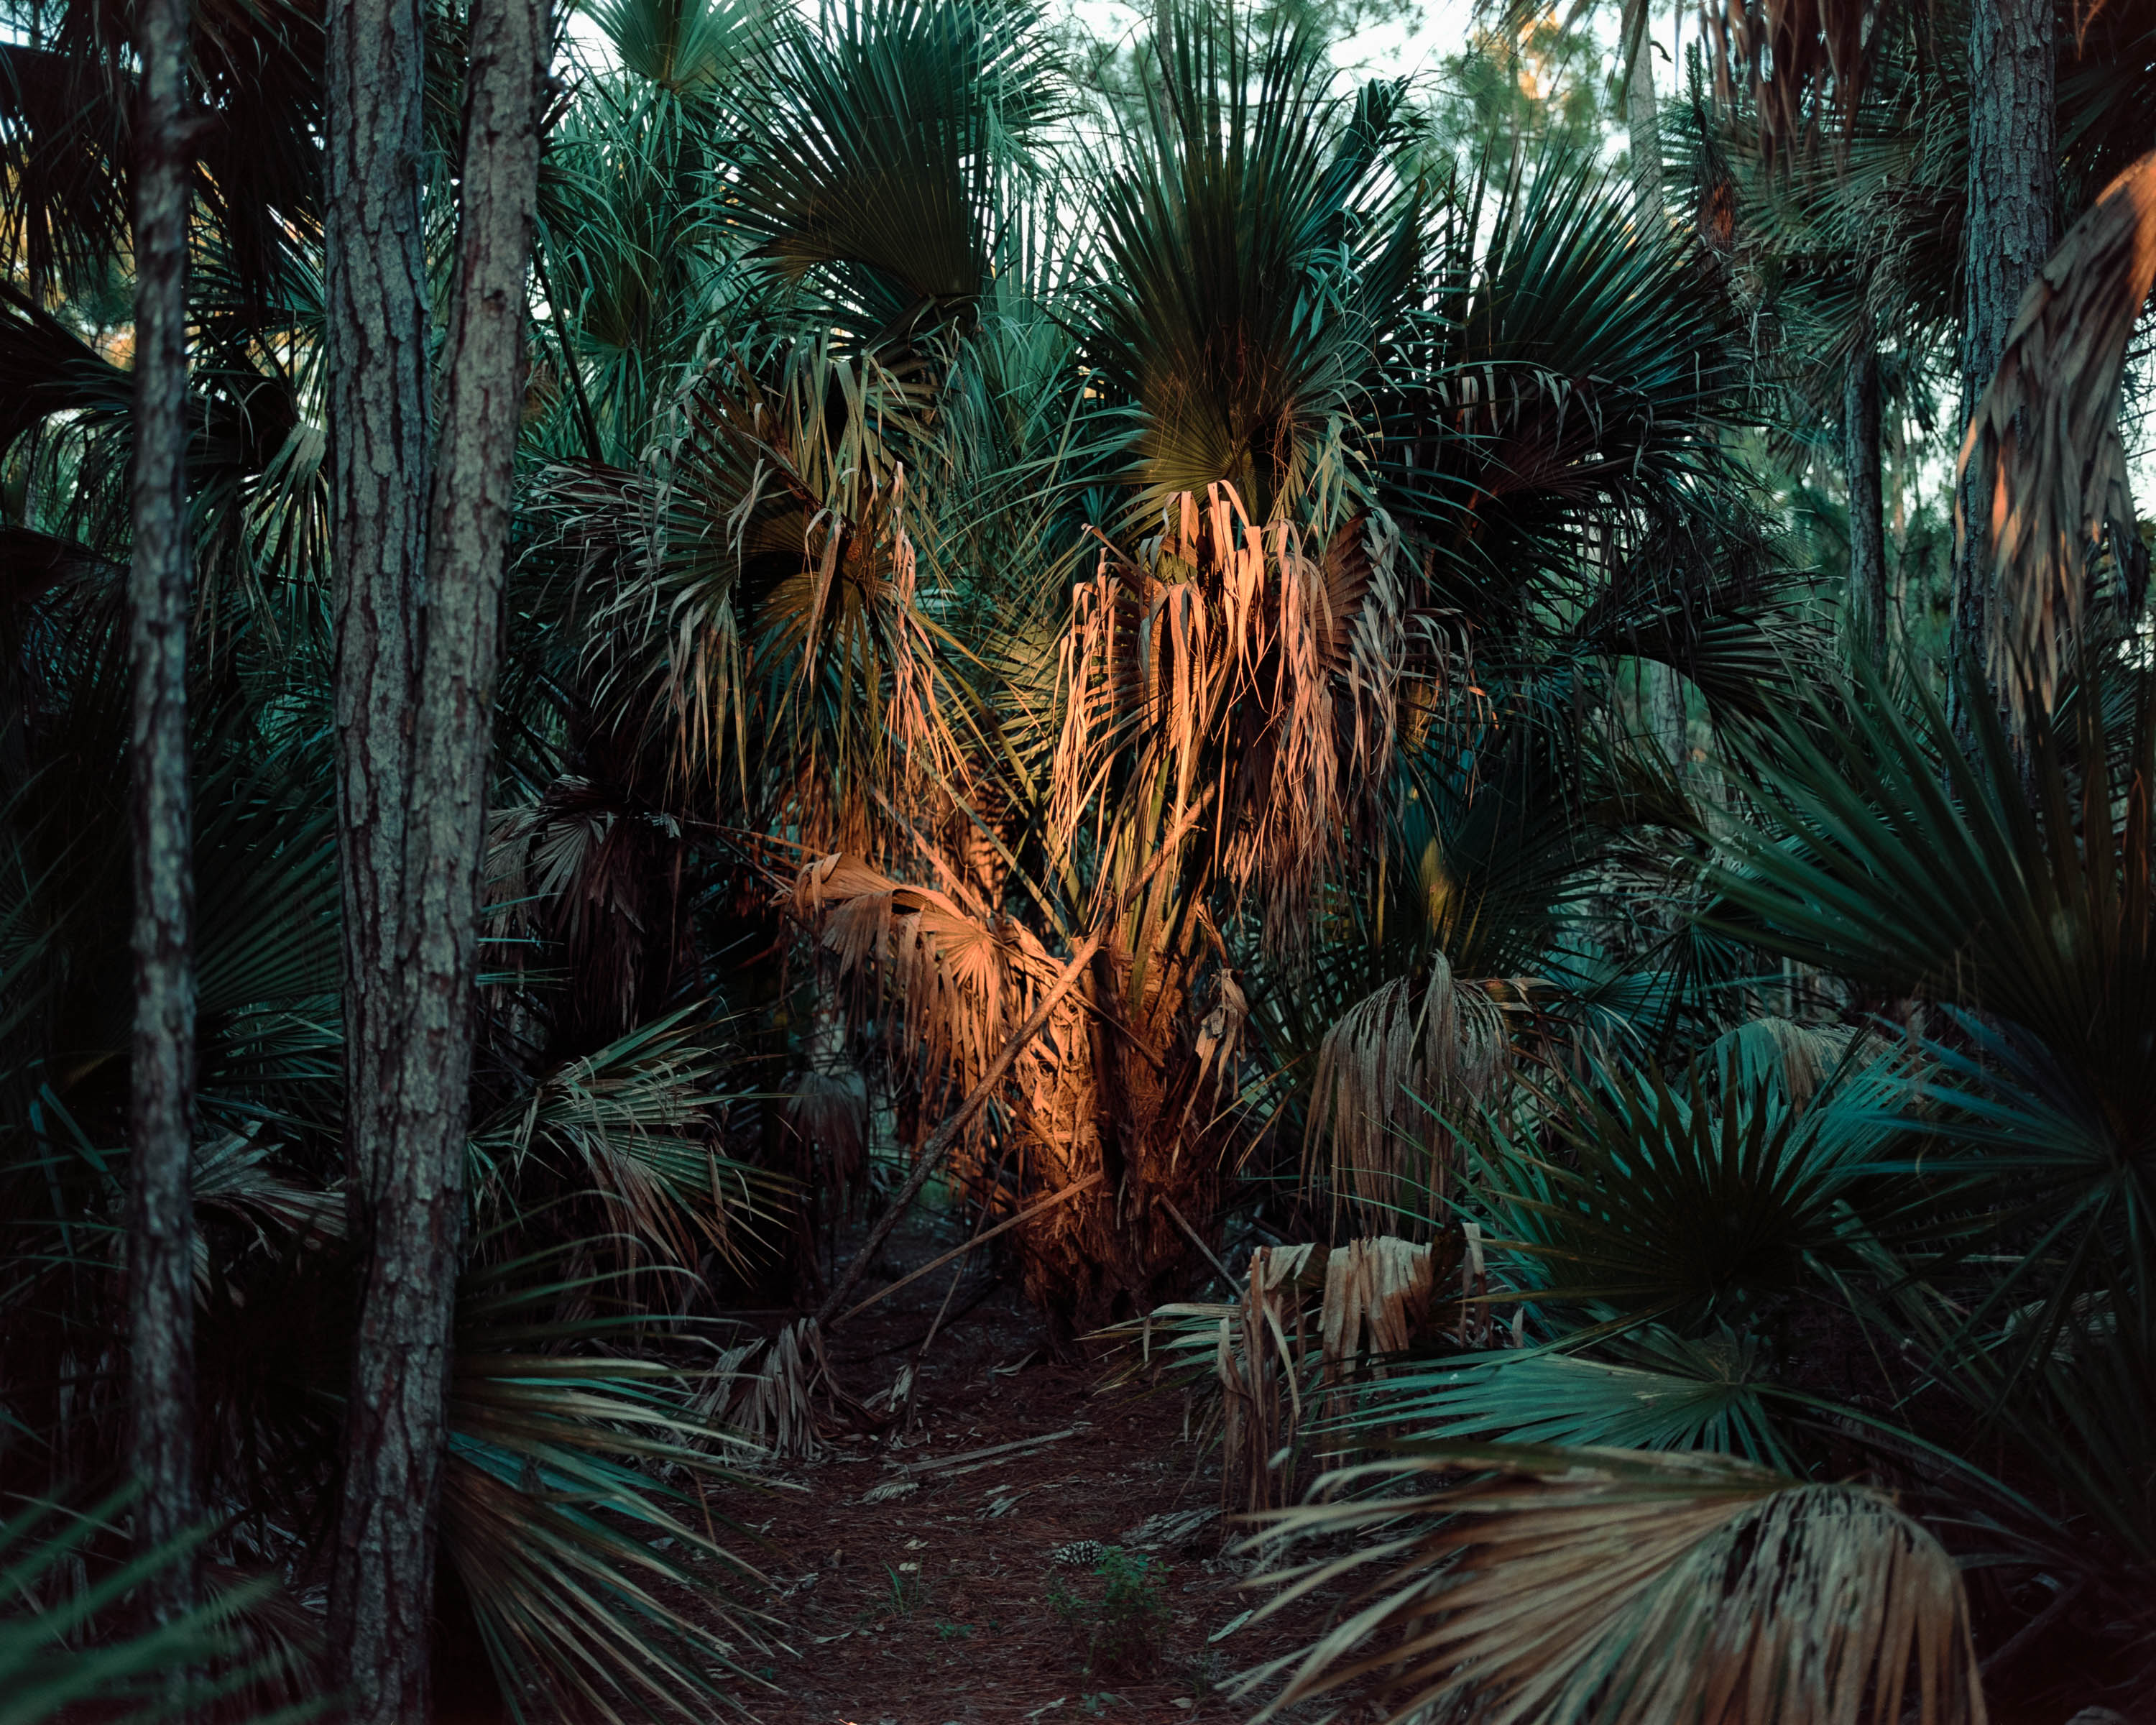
point(1473, 751)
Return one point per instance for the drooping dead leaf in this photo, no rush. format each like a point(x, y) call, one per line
point(768, 1392)
point(1312, 1320)
point(1559, 1586)
point(2044, 444)
point(1252, 669)
point(1387, 1072)
point(1800, 58)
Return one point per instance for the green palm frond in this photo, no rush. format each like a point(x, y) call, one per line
point(59, 1651)
point(1890, 854)
point(1564, 1585)
point(589, 1578)
point(1684, 1199)
point(639, 1120)
point(1567, 365)
point(884, 150)
point(1255, 255)
point(1662, 1392)
point(686, 47)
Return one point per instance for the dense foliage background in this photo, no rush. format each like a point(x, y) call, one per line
point(1313, 653)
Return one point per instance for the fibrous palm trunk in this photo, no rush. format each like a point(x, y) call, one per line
point(1867, 517)
point(2013, 186)
point(419, 548)
point(160, 1228)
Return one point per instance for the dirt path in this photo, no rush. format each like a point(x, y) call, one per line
point(945, 1577)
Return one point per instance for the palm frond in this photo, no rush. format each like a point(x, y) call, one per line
point(2044, 445)
point(1562, 1585)
point(589, 1579)
point(640, 1119)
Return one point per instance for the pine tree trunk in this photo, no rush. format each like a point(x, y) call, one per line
point(2009, 231)
point(414, 686)
point(382, 1561)
point(161, 1221)
point(1867, 516)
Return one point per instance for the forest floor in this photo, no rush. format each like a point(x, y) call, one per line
point(945, 1577)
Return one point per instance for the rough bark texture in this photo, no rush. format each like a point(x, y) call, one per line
point(382, 1564)
point(2012, 190)
point(1867, 516)
point(160, 1223)
point(376, 338)
point(416, 666)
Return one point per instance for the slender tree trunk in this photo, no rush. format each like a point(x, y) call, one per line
point(2013, 189)
point(416, 669)
point(160, 1230)
point(1642, 122)
point(1661, 689)
point(382, 1562)
point(1867, 517)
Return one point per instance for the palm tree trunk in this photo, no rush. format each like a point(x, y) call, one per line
point(414, 694)
point(161, 1224)
point(1867, 517)
point(2013, 185)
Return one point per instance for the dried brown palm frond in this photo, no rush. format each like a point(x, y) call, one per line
point(1390, 1072)
point(767, 1393)
point(961, 979)
point(1799, 1057)
point(827, 1115)
point(597, 871)
point(1800, 58)
point(1312, 1320)
point(2045, 442)
point(1249, 677)
point(1561, 1586)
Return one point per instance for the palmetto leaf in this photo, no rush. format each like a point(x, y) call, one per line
point(1564, 1585)
point(881, 150)
point(1253, 260)
point(590, 1579)
point(637, 1118)
point(1891, 855)
point(686, 47)
point(1701, 1197)
point(1663, 1392)
point(1391, 1068)
point(58, 1653)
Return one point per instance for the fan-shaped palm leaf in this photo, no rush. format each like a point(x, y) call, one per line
point(1565, 1585)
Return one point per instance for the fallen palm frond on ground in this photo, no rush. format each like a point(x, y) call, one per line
point(1628, 1587)
point(768, 1392)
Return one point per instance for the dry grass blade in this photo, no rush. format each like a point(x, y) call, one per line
point(1628, 1587)
point(2044, 439)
